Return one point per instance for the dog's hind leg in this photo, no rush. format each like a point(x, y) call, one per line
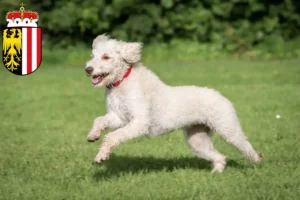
point(198, 139)
point(231, 132)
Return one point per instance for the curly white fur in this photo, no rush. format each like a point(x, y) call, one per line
point(143, 105)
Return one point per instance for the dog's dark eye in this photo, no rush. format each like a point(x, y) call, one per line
point(105, 57)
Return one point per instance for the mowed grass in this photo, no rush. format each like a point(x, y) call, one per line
point(45, 118)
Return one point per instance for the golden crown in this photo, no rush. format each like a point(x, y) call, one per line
point(22, 18)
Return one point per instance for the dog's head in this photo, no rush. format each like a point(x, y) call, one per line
point(110, 60)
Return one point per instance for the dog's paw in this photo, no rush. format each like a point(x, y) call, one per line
point(101, 157)
point(219, 166)
point(258, 158)
point(218, 169)
point(92, 137)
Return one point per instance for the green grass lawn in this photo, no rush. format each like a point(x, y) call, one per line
point(45, 118)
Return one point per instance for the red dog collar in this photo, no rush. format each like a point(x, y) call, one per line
point(116, 84)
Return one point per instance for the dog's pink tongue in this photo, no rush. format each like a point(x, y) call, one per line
point(96, 80)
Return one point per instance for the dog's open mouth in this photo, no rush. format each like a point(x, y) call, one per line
point(96, 79)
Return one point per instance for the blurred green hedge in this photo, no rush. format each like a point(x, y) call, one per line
point(234, 25)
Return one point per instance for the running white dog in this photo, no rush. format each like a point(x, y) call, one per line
point(138, 103)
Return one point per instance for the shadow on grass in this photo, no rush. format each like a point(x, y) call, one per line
point(120, 165)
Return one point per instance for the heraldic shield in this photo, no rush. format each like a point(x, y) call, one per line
point(22, 42)
point(22, 49)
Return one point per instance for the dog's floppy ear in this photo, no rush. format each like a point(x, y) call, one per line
point(130, 51)
point(100, 38)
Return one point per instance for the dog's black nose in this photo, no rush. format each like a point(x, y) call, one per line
point(89, 70)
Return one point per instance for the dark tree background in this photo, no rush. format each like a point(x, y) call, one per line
point(233, 24)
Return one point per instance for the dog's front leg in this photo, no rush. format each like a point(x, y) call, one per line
point(110, 120)
point(132, 130)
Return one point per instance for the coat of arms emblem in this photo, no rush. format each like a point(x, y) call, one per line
point(22, 42)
